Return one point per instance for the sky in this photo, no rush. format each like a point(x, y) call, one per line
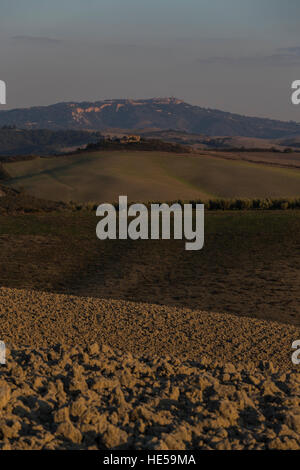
point(236, 55)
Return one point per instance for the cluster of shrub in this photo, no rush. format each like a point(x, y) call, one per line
point(255, 149)
point(152, 145)
point(214, 204)
point(253, 204)
point(18, 200)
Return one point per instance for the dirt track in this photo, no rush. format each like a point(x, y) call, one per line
point(85, 373)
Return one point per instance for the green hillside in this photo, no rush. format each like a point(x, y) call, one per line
point(103, 176)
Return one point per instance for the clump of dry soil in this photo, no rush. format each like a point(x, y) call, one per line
point(99, 398)
point(168, 378)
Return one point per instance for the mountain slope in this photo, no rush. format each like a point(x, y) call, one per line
point(160, 113)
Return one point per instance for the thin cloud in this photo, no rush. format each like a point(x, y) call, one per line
point(291, 50)
point(288, 56)
point(36, 40)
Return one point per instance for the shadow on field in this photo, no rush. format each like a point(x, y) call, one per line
point(250, 264)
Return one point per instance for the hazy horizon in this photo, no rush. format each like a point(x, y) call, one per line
point(240, 57)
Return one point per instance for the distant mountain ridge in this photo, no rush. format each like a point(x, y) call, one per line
point(159, 113)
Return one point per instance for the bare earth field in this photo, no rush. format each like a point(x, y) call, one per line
point(159, 348)
point(38, 319)
point(146, 176)
point(85, 399)
point(179, 394)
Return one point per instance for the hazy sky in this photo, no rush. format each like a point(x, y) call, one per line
point(235, 55)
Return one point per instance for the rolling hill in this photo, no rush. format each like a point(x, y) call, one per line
point(144, 176)
point(158, 113)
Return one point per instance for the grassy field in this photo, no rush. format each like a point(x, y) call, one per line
point(250, 265)
point(279, 159)
point(103, 176)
